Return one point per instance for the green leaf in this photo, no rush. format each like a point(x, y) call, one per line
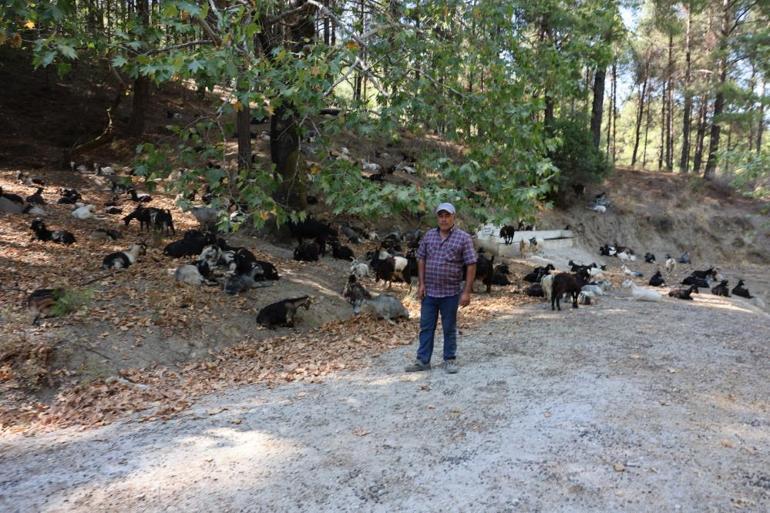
point(119, 61)
point(196, 65)
point(67, 51)
point(48, 58)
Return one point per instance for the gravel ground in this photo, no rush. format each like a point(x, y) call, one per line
point(621, 406)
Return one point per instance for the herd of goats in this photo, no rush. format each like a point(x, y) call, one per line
point(214, 262)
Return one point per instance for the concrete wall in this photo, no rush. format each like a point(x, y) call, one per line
point(488, 238)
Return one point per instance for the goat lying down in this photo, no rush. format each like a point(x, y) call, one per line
point(123, 259)
point(282, 313)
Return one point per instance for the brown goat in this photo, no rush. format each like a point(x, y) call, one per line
point(567, 283)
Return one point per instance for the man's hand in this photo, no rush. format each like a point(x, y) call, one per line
point(465, 298)
point(421, 292)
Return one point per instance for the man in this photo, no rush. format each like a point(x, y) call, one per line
point(440, 259)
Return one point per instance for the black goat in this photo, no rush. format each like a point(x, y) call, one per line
point(141, 214)
point(307, 252)
point(696, 282)
point(710, 272)
point(311, 229)
point(246, 262)
point(684, 293)
point(656, 280)
point(124, 259)
point(537, 274)
point(721, 289)
point(37, 197)
point(391, 268)
point(649, 258)
point(44, 234)
point(342, 252)
point(565, 283)
point(534, 290)
point(506, 233)
point(139, 198)
point(485, 271)
point(740, 290)
point(191, 244)
point(163, 221)
point(500, 276)
point(282, 313)
point(69, 196)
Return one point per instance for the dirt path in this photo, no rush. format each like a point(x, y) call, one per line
point(622, 406)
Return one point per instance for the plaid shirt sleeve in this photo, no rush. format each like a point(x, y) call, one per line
point(422, 249)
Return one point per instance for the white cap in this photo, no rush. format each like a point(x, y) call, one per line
point(447, 207)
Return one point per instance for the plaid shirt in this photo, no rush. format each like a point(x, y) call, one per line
point(444, 260)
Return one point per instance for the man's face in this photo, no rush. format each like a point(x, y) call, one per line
point(445, 220)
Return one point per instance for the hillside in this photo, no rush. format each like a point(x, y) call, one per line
point(138, 327)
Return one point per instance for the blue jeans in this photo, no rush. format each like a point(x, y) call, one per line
point(429, 311)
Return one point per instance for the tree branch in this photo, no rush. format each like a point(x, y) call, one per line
point(180, 45)
point(278, 17)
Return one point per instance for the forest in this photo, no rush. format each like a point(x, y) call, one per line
point(539, 96)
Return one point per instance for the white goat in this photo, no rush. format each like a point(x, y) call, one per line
point(595, 290)
point(359, 269)
point(546, 283)
point(642, 294)
point(629, 272)
point(670, 264)
point(84, 212)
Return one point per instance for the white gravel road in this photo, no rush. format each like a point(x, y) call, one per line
point(622, 406)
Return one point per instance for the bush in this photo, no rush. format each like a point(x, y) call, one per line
point(578, 161)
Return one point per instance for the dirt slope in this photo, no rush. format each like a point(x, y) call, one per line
point(666, 213)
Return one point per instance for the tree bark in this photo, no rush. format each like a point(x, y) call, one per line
point(662, 151)
point(670, 104)
point(761, 126)
point(684, 160)
point(285, 129)
point(598, 105)
point(243, 124)
point(139, 103)
point(719, 102)
point(141, 83)
point(639, 115)
point(700, 135)
point(614, 111)
point(610, 111)
point(647, 121)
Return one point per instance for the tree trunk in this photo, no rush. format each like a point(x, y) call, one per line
point(700, 135)
point(139, 106)
point(610, 111)
point(662, 151)
point(549, 115)
point(598, 105)
point(670, 104)
point(639, 115)
point(141, 84)
point(284, 152)
point(719, 102)
point(327, 36)
point(614, 111)
point(684, 160)
point(285, 130)
point(761, 127)
point(243, 123)
point(647, 121)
